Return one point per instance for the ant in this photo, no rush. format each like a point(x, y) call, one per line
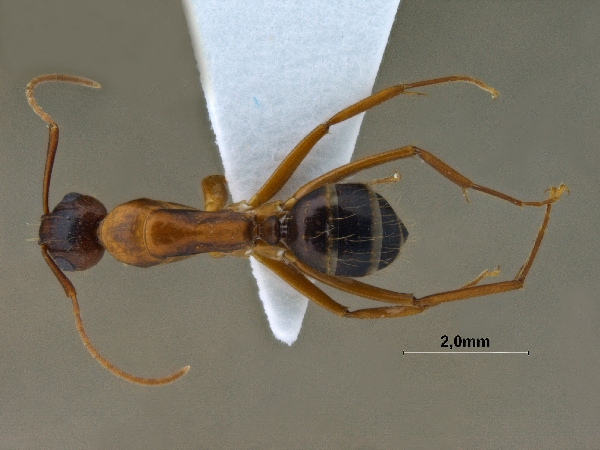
point(327, 231)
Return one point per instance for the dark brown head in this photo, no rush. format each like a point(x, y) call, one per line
point(70, 232)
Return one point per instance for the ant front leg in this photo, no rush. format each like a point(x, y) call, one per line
point(214, 189)
point(215, 193)
point(291, 162)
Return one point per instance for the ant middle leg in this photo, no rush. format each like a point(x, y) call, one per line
point(464, 183)
point(407, 151)
point(352, 168)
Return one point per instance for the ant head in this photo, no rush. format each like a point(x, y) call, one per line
point(70, 232)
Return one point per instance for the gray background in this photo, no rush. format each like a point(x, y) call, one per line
point(344, 384)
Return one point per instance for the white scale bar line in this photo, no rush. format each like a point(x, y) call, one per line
point(454, 353)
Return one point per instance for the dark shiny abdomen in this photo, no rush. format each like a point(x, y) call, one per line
point(344, 229)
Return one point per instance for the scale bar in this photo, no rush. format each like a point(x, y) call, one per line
point(456, 353)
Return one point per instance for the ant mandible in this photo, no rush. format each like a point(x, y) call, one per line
point(327, 231)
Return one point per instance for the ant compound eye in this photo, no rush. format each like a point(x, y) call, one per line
point(70, 232)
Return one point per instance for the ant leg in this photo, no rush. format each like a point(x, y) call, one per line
point(350, 169)
point(294, 277)
point(351, 285)
point(52, 127)
point(302, 284)
point(214, 190)
point(481, 276)
point(464, 183)
point(298, 281)
point(291, 162)
point(463, 293)
point(387, 180)
point(407, 151)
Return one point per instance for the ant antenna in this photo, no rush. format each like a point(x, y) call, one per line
point(52, 127)
point(62, 278)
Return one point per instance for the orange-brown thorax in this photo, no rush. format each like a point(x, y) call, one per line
point(147, 232)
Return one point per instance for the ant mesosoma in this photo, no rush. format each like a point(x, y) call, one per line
point(327, 231)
